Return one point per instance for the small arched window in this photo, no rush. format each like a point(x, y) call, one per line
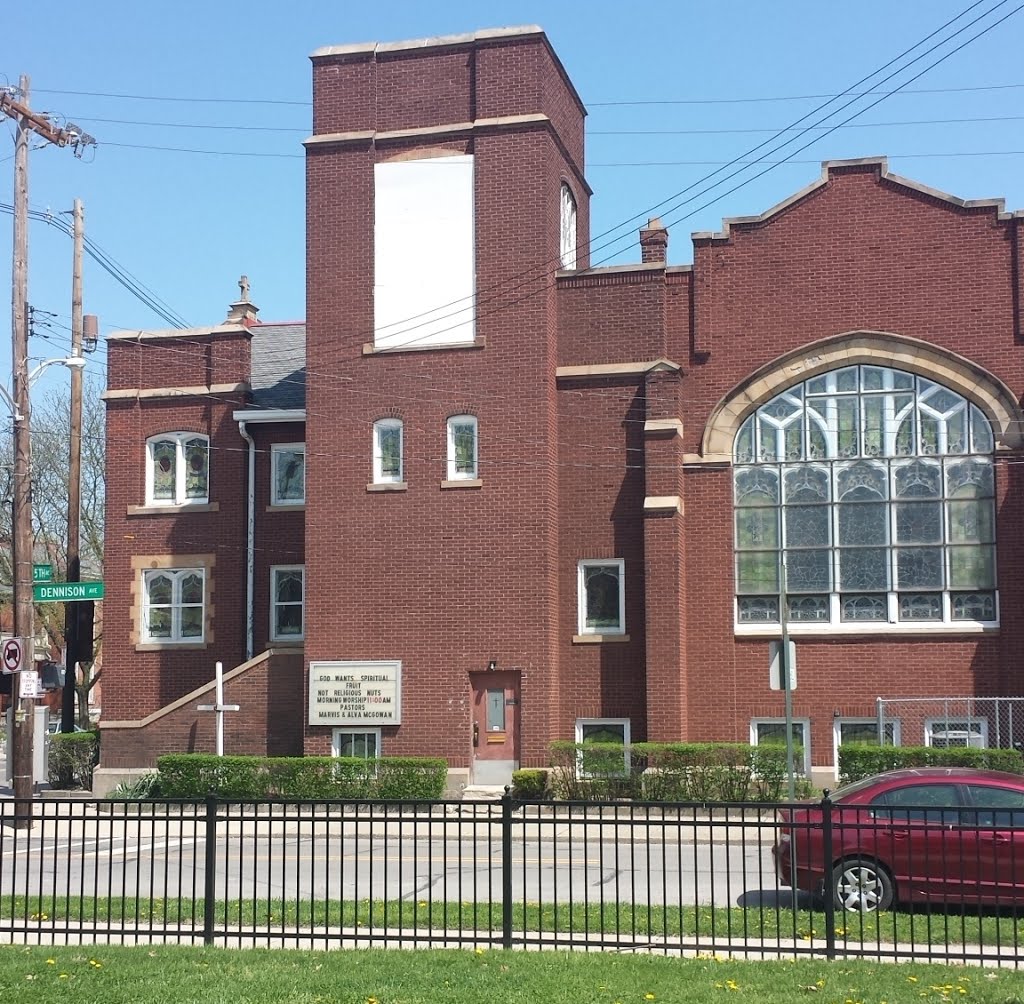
point(865, 496)
point(462, 448)
point(567, 216)
point(177, 469)
point(387, 451)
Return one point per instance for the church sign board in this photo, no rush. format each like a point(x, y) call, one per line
point(355, 693)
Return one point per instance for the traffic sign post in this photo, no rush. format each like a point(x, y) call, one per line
point(67, 592)
point(12, 655)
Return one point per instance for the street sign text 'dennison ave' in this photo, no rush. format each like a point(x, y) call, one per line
point(66, 592)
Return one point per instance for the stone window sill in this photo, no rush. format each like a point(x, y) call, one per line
point(287, 642)
point(387, 486)
point(597, 639)
point(171, 646)
point(369, 349)
point(463, 483)
point(863, 630)
point(171, 510)
point(282, 507)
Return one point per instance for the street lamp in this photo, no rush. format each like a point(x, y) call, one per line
point(22, 739)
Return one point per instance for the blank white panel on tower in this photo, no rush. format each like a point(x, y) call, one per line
point(424, 290)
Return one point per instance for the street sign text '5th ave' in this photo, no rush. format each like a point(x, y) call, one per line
point(66, 592)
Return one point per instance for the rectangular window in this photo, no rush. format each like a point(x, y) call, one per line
point(387, 451)
point(601, 597)
point(462, 447)
point(773, 730)
point(287, 602)
point(173, 605)
point(846, 731)
point(946, 733)
point(362, 743)
point(604, 731)
point(424, 257)
point(495, 710)
point(177, 469)
point(288, 474)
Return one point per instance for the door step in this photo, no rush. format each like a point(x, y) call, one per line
point(482, 792)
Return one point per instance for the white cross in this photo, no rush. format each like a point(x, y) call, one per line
point(220, 707)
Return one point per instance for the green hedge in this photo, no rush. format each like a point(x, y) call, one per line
point(72, 757)
point(530, 783)
point(196, 775)
point(858, 760)
point(672, 772)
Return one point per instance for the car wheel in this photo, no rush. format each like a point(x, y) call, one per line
point(861, 886)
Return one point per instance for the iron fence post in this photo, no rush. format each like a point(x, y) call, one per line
point(829, 896)
point(209, 870)
point(506, 869)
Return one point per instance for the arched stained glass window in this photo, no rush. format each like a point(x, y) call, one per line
point(865, 495)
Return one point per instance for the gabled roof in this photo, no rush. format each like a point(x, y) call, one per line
point(279, 365)
point(828, 167)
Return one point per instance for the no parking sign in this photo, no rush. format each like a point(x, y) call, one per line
point(12, 655)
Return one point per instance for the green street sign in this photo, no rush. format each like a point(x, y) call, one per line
point(42, 573)
point(67, 592)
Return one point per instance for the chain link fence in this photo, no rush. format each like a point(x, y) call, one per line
point(982, 722)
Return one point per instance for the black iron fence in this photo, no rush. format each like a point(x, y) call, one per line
point(667, 878)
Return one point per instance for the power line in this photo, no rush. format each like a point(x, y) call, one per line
point(785, 129)
point(759, 99)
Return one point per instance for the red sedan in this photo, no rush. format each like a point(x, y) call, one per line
point(934, 835)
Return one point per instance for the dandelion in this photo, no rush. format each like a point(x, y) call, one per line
point(820, 984)
point(911, 979)
point(732, 984)
point(648, 997)
point(51, 962)
point(63, 976)
point(479, 951)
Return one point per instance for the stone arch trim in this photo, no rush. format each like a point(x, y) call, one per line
point(881, 348)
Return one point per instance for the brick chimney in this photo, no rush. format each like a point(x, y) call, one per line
point(242, 311)
point(654, 242)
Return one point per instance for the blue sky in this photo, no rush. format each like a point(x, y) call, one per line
point(188, 224)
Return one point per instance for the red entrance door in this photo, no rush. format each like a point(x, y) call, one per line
point(495, 726)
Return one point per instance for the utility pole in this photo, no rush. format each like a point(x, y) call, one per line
point(23, 739)
point(71, 610)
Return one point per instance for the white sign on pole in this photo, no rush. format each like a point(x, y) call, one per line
point(31, 685)
point(775, 668)
point(355, 693)
point(12, 655)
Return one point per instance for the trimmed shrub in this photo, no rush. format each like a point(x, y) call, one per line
point(859, 760)
point(594, 771)
point(530, 784)
point(196, 775)
point(73, 755)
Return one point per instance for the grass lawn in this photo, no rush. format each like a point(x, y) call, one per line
point(919, 927)
point(137, 975)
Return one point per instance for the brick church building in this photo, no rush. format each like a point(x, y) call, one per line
point(487, 496)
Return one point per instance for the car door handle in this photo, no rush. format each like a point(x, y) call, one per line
point(997, 838)
point(899, 834)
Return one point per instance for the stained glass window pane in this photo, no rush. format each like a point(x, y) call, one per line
point(968, 479)
point(808, 526)
point(464, 443)
point(971, 522)
point(956, 432)
point(973, 607)
point(864, 608)
point(289, 587)
point(981, 432)
point(919, 523)
point(808, 608)
point(874, 426)
point(847, 414)
point(918, 479)
point(809, 571)
point(757, 572)
point(601, 583)
point(920, 606)
point(390, 440)
point(291, 475)
point(846, 379)
point(288, 619)
point(971, 567)
point(757, 528)
point(191, 622)
point(807, 484)
point(863, 523)
point(164, 469)
point(872, 378)
point(919, 568)
point(744, 452)
point(159, 624)
point(196, 469)
point(758, 609)
point(864, 568)
point(192, 589)
point(757, 486)
point(160, 589)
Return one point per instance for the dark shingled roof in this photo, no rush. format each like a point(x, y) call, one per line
point(279, 365)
